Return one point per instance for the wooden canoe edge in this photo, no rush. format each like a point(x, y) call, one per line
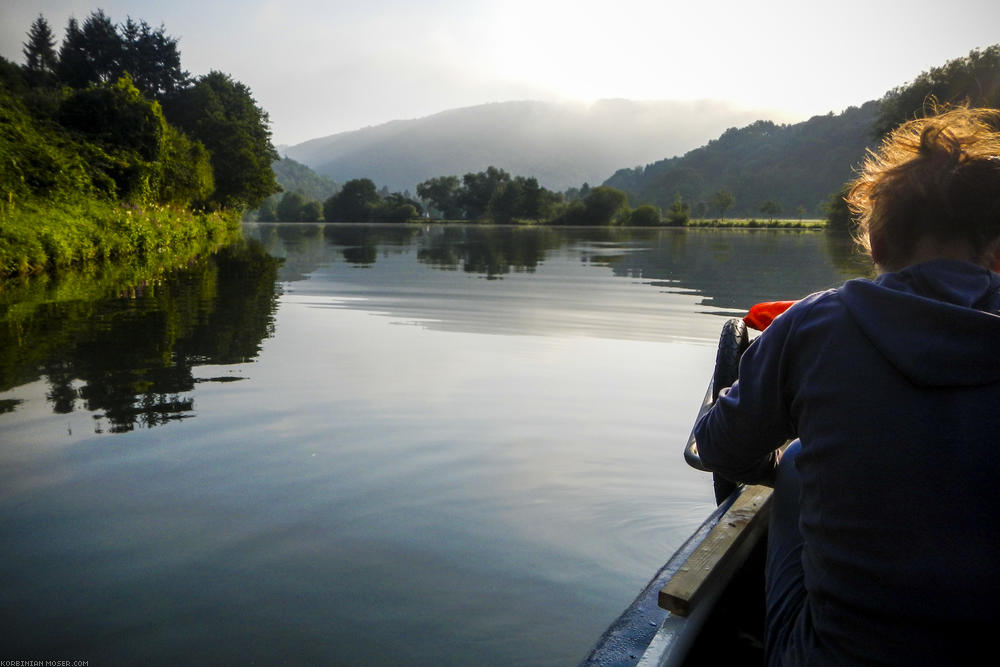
point(712, 564)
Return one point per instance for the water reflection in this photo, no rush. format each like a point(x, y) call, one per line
point(496, 413)
point(490, 251)
point(128, 355)
point(723, 272)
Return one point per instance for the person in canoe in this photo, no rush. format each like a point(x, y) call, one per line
point(883, 545)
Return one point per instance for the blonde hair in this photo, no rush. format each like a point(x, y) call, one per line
point(935, 177)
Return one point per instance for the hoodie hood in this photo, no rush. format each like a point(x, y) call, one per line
point(937, 322)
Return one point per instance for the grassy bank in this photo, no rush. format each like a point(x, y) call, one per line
point(38, 236)
point(752, 223)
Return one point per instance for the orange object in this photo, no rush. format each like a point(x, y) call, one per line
point(761, 315)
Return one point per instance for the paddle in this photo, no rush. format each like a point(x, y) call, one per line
point(733, 342)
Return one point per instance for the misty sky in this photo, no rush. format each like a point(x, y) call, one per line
point(325, 66)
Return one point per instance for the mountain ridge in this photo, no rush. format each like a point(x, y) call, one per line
point(561, 144)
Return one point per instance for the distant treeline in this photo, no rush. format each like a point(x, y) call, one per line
point(492, 195)
point(99, 136)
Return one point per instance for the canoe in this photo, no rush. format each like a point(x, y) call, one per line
point(706, 604)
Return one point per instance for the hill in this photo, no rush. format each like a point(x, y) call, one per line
point(294, 176)
point(797, 165)
point(802, 164)
point(562, 145)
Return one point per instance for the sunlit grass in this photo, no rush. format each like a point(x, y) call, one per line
point(752, 223)
point(42, 236)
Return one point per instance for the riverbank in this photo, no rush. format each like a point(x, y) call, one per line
point(36, 237)
point(752, 223)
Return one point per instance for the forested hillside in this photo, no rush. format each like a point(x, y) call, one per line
point(797, 166)
point(794, 169)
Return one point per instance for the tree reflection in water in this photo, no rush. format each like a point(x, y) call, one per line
point(127, 353)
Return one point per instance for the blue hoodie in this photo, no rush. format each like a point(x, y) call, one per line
point(893, 387)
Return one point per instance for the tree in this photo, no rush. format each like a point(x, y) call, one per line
point(40, 59)
point(974, 79)
point(222, 114)
point(603, 205)
point(186, 176)
point(129, 128)
point(266, 212)
point(395, 207)
point(478, 190)
point(506, 203)
point(311, 211)
point(442, 193)
point(838, 214)
point(152, 58)
point(722, 201)
point(355, 202)
point(73, 68)
point(102, 47)
point(536, 202)
point(289, 209)
point(646, 215)
point(679, 212)
point(770, 208)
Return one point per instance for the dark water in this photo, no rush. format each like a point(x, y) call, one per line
point(364, 444)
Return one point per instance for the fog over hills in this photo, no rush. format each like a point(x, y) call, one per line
point(563, 145)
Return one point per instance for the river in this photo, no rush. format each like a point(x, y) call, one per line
point(365, 444)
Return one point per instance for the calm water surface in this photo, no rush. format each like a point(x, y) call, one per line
point(362, 444)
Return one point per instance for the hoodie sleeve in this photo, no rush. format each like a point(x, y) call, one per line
point(738, 437)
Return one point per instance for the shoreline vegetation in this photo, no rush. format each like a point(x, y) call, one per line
point(39, 237)
point(110, 151)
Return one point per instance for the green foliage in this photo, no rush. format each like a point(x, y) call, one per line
point(40, 59)
point(152, 58)
point(603, 205)
point(295, 176)
point(85, 171)
point(223, 115)
point(722, 201)
point(679, 212)
point(98, 48)
point(186, 176)
point(116, 116)
point(492, 194)
point(100, 52)
point(795, 165)
point(360, 201)
point(771, 209)
point(311, 211)
point(74, 68)
point(289, 209)
point(41, 235)
point(395, 207)
point(267, 211)
point(37, 160)
point(355, 202)
point(646, 215)
point(478, 190)
point(838, 214)
point(974, 79)
point(442, 194)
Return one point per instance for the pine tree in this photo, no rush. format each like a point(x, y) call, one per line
point(73, 68)
point(40, 59)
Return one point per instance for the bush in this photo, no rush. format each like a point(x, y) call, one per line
point(645, 216)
